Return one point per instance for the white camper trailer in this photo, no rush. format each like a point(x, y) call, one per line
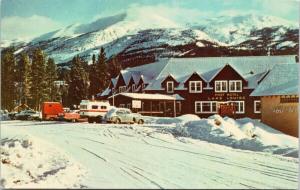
point(93, 110)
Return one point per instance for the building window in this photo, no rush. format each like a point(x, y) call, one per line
point(170, 87)
point(205, 107)
point(133, 87)
point(289, 99)
point(195, 86)
point(257, 106)
point(94, 107)
point(239, 106)
point(221, 86)
point(235, 86)
point(122, 89)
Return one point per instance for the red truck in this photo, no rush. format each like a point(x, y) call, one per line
point(51, 110)
point(55, 111)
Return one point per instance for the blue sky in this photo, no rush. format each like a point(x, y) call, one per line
point(27, 18)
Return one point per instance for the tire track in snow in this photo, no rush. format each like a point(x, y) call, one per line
point(147, 172)
point(94, 154)
point(151, 181)
point(186, 151)
point(129, 174)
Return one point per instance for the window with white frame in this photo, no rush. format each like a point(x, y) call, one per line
point(235, 86)
point(170, 86)
point(133, 87)
point(220, 86)
point(122, 89)
point(205, 107)
point(195, 86)
point(239, 106)
point(257, 106)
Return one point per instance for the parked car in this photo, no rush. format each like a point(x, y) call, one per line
point(36, 116)
point(27, 114)
point(123, 115)
point(4, 115)
point(12, 115)
point(71, 115)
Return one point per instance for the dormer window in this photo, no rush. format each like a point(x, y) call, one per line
point(122, 89)
point(235, 86)
point(170, 87)
point(133, 87)
point(195, 86)
point(220, 86)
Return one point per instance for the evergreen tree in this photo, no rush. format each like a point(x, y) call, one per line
point(98, 74)
point(114, 68)
point(63, 89)
point(93, 78)
point(24, 78)
point(102, 72)
point(94, 59)
point(78, 82)
point(51, 77)
point(8, 79)
point(38, 74)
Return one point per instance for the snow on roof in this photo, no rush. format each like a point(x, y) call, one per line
point(208, 67)
point(282, 80)
point(143, 96)
point(114, 80)
point(104, 93)
point(126, 76)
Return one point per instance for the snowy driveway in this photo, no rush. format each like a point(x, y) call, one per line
point(133, 156)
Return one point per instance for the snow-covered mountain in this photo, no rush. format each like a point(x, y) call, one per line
point(137, 35)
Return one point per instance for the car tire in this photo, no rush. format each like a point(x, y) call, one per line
point(141, 122)
point(98, 119)
point(118, 121)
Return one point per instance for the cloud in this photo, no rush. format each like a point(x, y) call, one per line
point(279, 7)
point(26, 28)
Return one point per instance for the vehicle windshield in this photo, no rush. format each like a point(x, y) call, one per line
point(111, 111)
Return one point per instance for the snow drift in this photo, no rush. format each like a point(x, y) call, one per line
point(243, 133)
point(28, 162)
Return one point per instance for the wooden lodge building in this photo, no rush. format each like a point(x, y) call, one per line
point(279, 94)
point(201, 86)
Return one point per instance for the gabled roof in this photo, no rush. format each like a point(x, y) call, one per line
point(170, 75)
point(188, 77)
point(283, 79)
point(246, 66)
point(220, 69)
point(251, 68)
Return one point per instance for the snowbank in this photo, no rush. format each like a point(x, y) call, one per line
point(180, 120)
point(243, 133)
point(28, 162)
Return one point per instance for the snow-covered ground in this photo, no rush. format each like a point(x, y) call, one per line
point(163, 153)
